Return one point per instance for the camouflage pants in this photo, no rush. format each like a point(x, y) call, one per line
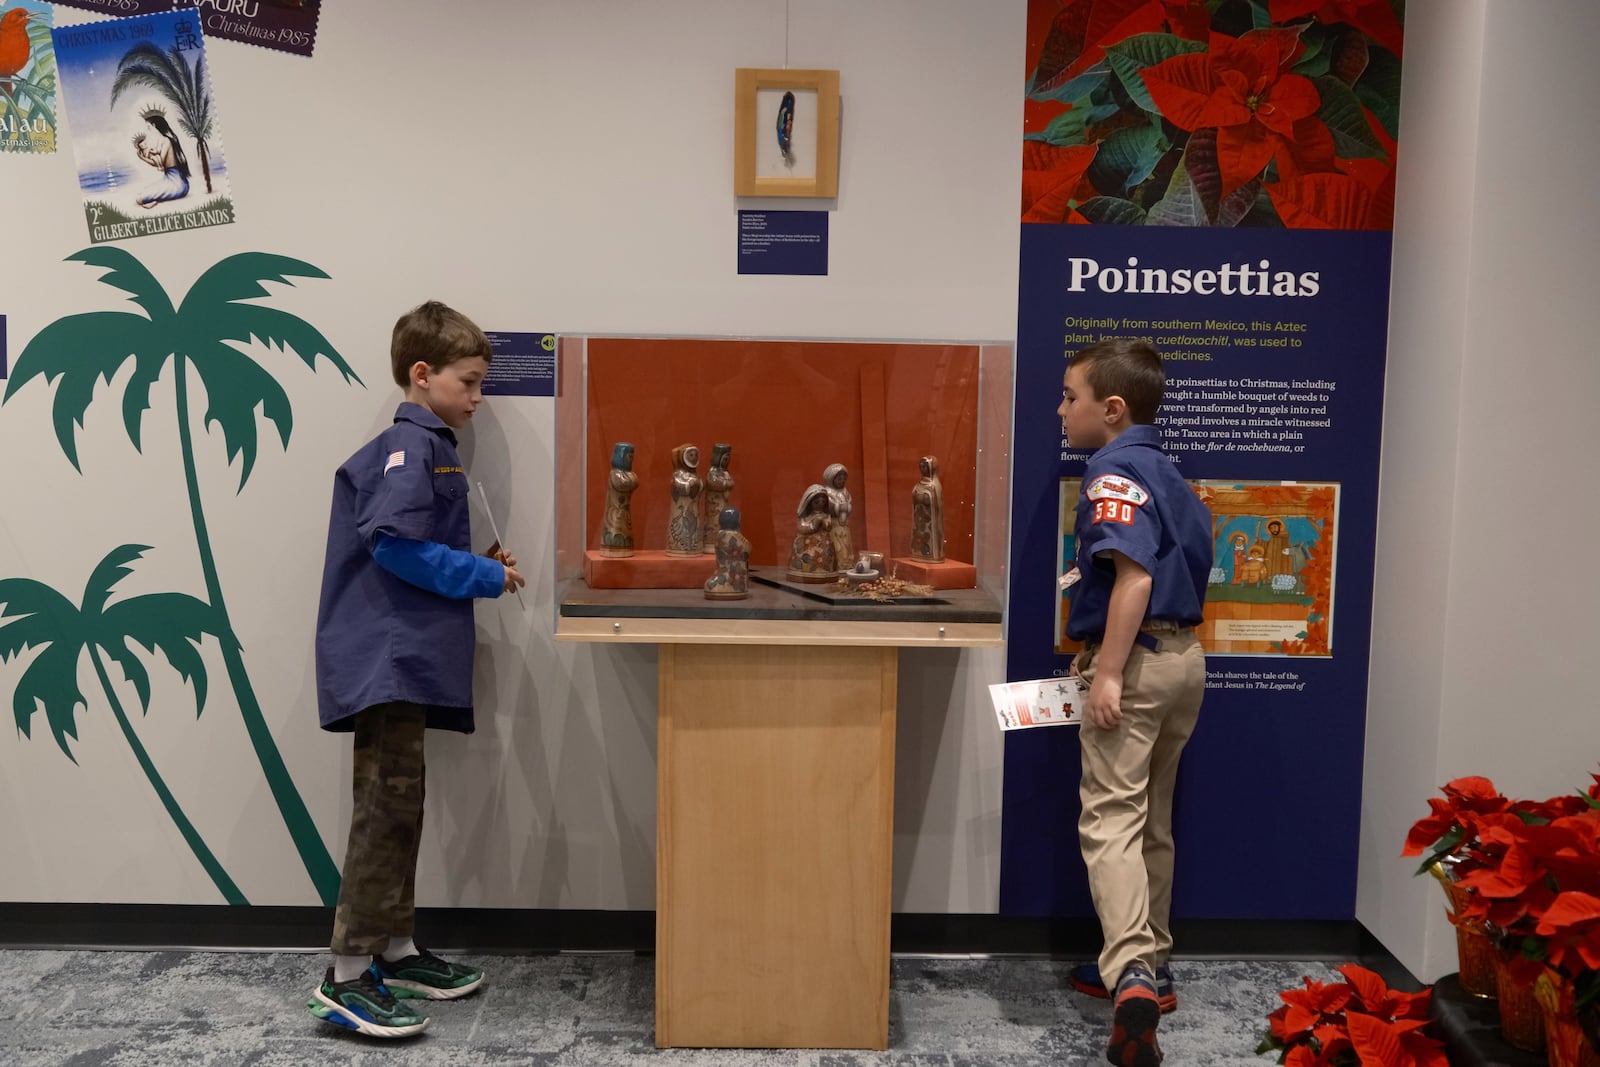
point(377, 897)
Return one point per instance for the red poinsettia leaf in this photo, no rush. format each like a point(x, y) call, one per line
point(1376, 1043)
point(1301, 1056)
point(1285, 10)
point(1189, 19)
point(1052, 177)
point(1568, 911)
point(1333, 202)
point(1287, 101)
point(1309, 151)
point(1182, 89)
point(1588, 950)
point(1474, 791)
point(1370, 989)
point(1425, 831)
point(1424, 1051)
point(1274, 50)
point(1377, 20)
point(1243, 152)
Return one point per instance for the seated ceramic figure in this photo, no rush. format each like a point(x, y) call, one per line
point(812, 559)
point(927, 514)
point(616, 527)
point(683, 527)
point(732, 580)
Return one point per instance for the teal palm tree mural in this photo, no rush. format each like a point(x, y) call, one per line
point(79, 352)
point(169, 74)
point(32, 615)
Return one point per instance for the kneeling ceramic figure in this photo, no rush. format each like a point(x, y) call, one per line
point(812, 557)
point(732, 580)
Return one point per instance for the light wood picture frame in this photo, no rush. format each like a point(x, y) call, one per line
point(811, 167)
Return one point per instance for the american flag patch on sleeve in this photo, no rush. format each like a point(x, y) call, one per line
point(396, 459)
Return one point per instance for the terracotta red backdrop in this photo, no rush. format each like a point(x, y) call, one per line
point(789, 409)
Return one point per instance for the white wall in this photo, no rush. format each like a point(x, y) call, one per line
point(543, 166)
point(1484, 625)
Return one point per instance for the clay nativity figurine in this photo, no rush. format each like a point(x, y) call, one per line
point(732, 580)
point(683, 527)
point(719, 487)
point(927, 514)
point(813, 557)
point(616, 527)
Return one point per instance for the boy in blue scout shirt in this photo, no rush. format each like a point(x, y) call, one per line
point(1143, 559)
point(394, 659)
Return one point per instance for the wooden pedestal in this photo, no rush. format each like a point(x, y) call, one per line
point(774, 838)
point(775, 795)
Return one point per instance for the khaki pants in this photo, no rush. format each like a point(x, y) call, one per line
point(377, 896)
point(1125, 828)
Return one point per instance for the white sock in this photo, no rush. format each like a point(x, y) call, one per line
point(348, 968)
point(400, 951)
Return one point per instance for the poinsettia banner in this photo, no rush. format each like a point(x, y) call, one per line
point(1217, 179)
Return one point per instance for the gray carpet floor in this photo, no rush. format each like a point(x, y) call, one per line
point(130, 1009)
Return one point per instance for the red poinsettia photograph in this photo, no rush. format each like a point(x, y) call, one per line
point(1266, 113)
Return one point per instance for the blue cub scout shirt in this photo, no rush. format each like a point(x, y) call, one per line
point(380, 638)
point(1135, 502)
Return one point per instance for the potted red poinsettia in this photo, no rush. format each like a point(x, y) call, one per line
point(1569, 990)
point(1448, 839)
point(1359, 1022)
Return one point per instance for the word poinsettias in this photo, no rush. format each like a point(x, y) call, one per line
point(1359, 1021)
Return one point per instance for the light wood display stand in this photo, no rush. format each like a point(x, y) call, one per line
point(775, 804)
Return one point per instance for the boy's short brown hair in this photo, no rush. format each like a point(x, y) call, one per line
point(436, 334)
point(1119, 366)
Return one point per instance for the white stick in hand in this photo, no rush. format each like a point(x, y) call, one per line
point(495, 529)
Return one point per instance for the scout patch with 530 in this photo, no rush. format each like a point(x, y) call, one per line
point(1115, 498)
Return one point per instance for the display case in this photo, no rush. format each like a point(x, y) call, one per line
point(776, 712)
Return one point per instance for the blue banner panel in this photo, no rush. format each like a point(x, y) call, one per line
point(783, 242)
point(524, 364)
point(1274, 345)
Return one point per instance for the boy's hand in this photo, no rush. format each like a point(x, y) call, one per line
point(1104, 707)
point(514, 578)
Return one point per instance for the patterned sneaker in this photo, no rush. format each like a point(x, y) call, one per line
point(1085, 978)
point(365, 1006)
point(1134, 1021)
point(426, 976)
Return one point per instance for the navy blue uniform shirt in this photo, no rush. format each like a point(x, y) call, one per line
point(381, 638)
point(1135, 501)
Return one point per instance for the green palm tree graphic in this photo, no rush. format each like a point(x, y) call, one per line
point(80, 351)
point(174, 623)
point(169, 74)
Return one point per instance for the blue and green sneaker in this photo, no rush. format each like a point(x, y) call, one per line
point(426, 976)
point(364, 1004)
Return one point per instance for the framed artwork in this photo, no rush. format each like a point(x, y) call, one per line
point(785, 132)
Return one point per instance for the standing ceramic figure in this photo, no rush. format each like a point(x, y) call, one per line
point(616, 527)
point(683, 528)
point(839, 504)
point(732, 580)
point(812, 558)
point(927, 514)
point(719, 487)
